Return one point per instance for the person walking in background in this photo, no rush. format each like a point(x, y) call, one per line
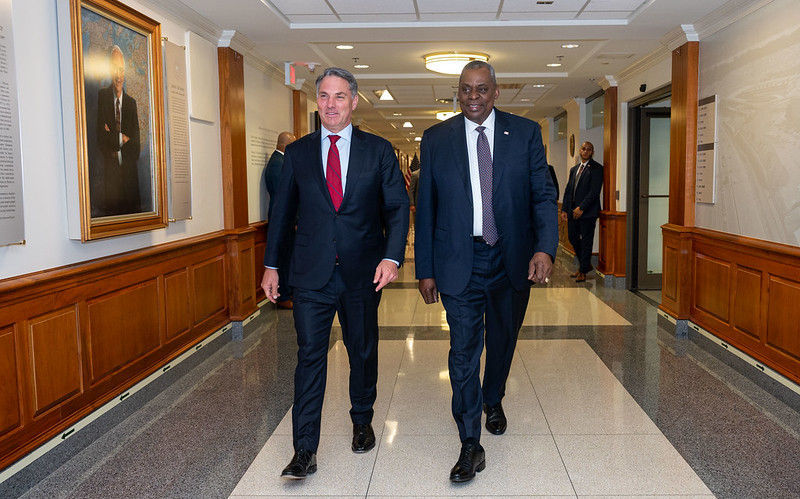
point(272, 175)
point(581, 207)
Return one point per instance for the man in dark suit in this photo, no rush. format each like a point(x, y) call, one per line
point(118, 139)
point(345, 190)
point(486, 225)
point(272, 175)
point(581, 207)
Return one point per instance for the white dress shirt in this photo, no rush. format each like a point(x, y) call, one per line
point(474, 174)
point(119, 134)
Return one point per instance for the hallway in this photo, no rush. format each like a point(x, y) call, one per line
point(602, 400)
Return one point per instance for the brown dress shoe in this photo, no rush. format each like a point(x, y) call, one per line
point(286, 305)
point(575, 274)
point(581, 277)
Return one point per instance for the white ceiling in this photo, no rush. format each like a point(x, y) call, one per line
point(520, 36)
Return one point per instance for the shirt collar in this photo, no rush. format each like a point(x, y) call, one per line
point(345, 134)
point(279, 151)
point(488, 123)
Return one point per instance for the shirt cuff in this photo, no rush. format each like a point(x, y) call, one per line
point(393, 261)
point(268, 267)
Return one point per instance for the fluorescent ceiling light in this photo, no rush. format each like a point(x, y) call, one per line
point(397, 114)
point(344, 47)
point(407, 124)
point(538, 85)
point(365, 66)
point(417, 139)
point(445, 115)
point(525, 100)
point(451, 63)
point(385, 95)
point(554, 65)
point(570, 46)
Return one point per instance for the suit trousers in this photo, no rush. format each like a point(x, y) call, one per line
point(313, 316)
point(581, 236)
point(488, 304)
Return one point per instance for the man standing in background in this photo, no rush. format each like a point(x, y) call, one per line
point(581, 207)
point(272, 175)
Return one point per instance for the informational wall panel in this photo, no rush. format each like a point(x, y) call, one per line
point(12, 223)
point(706, 149)
point(179, 171)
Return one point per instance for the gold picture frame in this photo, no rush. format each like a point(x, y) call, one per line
point(119, 119)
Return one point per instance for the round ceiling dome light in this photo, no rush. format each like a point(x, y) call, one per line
point(451, 63)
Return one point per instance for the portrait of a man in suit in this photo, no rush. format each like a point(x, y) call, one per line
point(119, 143)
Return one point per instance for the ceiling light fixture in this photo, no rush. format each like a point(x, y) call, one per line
point(524, 100)
point(407, 124)
point(451, 63)
point(445, 115)
point(551, 65)
point(344, 47)
point(397, 114)
point(570, 46)
point(365, 66)
point(417, 139)
point(384, 95)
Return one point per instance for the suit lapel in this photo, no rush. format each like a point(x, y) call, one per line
point(315, 145)
point(502, 138)
point(355, 164)
point(458, 138)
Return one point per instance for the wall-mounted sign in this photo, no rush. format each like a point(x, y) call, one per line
point(705, 167)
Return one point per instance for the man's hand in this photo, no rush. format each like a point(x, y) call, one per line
point(427, 288)
point(384, 274)
point(125, 139)
point(577, 212)
point(105, 125)
point(270, 284)
point(563, 215)
point(540, 267)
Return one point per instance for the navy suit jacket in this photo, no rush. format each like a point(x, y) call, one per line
point(587, 193)
point(272, 177)
point(523, 200)
point(371, 224)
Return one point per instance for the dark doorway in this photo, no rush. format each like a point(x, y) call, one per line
point(648, 203)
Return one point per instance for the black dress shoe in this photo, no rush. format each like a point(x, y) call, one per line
point(495, 419)
point(363, 438)
point(472, 459)
point(303, 463)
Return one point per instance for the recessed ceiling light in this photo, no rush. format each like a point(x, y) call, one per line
point(551, 65)
point(525, 100)
point(417, 139)
point(538, 85)
point(344, 47)
point(570, 46)
point(445, 115)
point(450, 63)
point(407, 124)
point(365, 66)
point(397, 114)
point(383, 95)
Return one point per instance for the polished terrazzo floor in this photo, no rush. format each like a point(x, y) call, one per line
point(603, 400)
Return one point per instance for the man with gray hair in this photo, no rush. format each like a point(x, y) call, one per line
point(345, 190)
point(485, 226)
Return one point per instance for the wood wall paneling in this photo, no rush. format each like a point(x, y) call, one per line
point(669, 281)
point(677, 283)
point(259, 247)
point(208, 280)
point(610, 109)
point(233, 137)
point(783, 317)
point(10, 399)
point(55, 358)
point(712, 286)
point(299, 113)
point(746, 298)
point(683, 134)
point(613, 242)
point(123, 326)
point(247, 275)
point(178, 303)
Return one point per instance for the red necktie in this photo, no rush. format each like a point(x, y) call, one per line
point(333, 174)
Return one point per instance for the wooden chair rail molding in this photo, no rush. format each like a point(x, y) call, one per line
point(74, 337)
point(741, 289)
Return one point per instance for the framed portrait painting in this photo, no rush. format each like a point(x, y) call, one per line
point(116, 58)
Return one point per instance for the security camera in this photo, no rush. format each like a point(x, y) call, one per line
point(643, 87)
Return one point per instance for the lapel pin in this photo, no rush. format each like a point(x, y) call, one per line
point(505, 132)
